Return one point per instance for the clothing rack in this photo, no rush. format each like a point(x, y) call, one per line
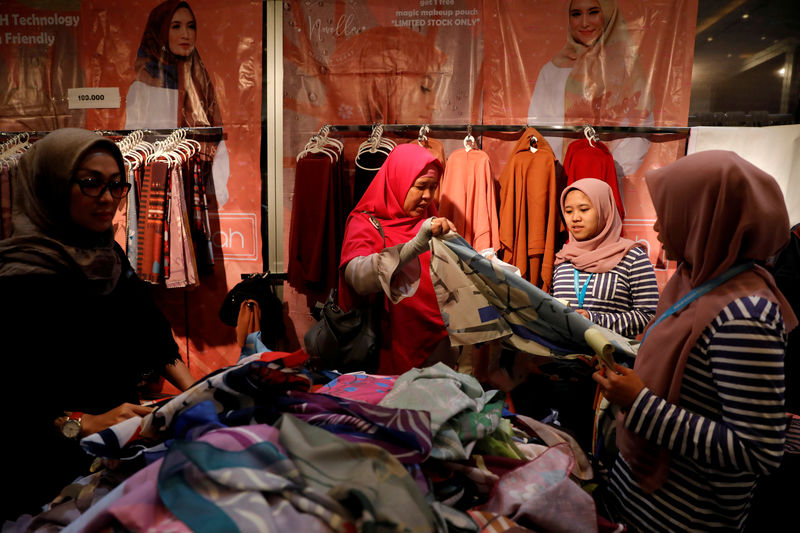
point(513, 128)
point(212, 131)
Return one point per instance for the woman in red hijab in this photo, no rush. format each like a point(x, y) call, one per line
point(702, 412)
point(400, 197)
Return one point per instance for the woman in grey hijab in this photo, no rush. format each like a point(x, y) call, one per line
point(79, 329)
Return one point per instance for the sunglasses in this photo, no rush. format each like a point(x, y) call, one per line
point(95, 188)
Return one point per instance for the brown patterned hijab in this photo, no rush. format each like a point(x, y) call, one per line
point(44, 239)
point(157, 66)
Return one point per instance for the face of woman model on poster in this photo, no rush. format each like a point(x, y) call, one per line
point(586, 21)
point(580, 215)
point(420, 195)
point(417, 99)
point(182, 32)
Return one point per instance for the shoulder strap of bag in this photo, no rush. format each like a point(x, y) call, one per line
point(377, 303)
point(699, 291)
point(377, 224)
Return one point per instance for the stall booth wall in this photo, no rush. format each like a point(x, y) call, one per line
point(49, 48)
point(477, 63)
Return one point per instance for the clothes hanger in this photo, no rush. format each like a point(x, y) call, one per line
point(15, 145)
point(321, 143)
point(374, 144)
point(469, 140)
point(534, 142)
point(422, 139)
point(590, 134)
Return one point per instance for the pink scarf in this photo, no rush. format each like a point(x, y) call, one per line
point(605, 250)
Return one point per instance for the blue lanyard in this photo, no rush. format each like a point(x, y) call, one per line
point(580, 294)
point(697, 292)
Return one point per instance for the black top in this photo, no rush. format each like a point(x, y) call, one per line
point(65, 348)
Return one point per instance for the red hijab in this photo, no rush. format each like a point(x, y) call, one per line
point(716, 210)
point(605, 250)
point(412, 327)
point(384, 199)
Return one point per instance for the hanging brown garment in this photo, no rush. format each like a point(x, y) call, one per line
point(529, 210)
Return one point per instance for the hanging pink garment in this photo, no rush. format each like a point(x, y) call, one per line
point(467, 197)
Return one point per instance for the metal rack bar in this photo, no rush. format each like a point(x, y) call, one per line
point(511, 128)
point(200, 130)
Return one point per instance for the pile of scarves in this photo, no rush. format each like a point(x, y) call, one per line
point(252, 448)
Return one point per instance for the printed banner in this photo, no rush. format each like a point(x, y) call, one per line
point(493, 62)
point(60, 46)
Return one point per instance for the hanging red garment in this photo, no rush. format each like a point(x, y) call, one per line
point(314, 241)
point(5, 201)
point(585, 160)
point(529, 210)
point(467, 197)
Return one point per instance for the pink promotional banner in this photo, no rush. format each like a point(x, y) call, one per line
point(173, 65)
point(610, 64)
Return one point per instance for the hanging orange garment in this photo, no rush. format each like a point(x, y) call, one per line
point(436, 148)
point(467, 198)
point(528, 216)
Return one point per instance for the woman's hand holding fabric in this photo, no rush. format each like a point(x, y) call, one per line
point(432, 227)
point(94, 423)
point(620, 386)
point(441, 226)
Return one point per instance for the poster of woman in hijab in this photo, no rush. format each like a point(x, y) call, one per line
point(172, 87)
point(611, 64)
point(182, 64)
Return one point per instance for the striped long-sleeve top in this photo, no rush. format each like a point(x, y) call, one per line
point(726, 430)
point(623, 299)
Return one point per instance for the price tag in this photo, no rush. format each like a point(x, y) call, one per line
point(93, 97)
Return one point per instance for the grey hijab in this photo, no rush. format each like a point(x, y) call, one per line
point(45, 240)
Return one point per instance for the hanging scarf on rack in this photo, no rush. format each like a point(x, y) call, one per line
point(152, 203)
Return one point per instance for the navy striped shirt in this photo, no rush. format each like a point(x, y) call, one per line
point(623, 299)
point(727, 429)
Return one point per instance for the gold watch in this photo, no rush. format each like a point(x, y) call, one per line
point(71, 428)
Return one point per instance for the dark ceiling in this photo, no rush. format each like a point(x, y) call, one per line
point(731, 31)
point(740, 48)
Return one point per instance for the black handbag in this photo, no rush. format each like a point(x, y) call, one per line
point(347, 341)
